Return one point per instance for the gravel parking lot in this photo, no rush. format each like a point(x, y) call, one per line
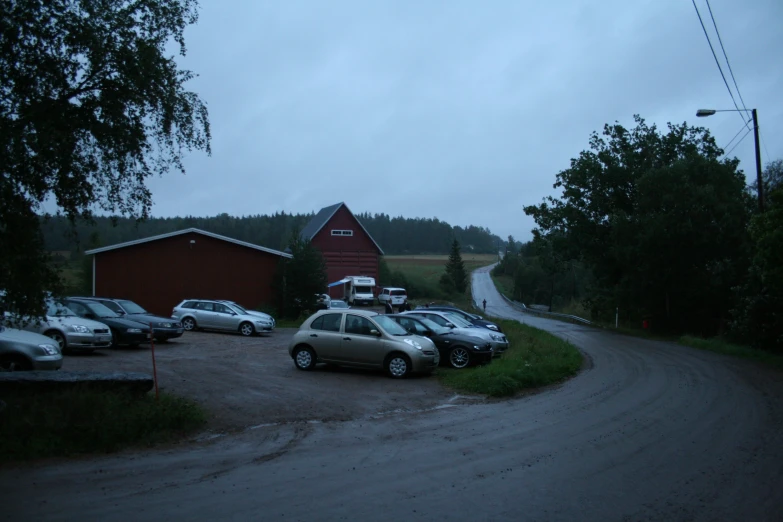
point(250, 381)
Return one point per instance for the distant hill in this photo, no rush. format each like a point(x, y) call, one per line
point(395, 235)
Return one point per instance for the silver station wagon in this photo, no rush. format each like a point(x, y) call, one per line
point(205, 314)
point(363, 339)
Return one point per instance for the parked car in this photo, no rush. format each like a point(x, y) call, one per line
point(26, 351)
point(461, 326)
point(364, 339)
point(395, 296)
point(206, 314)
point(456, 350)
point(70, 332)
point(474, 319)
point(123, 331)
point(163, 328)
point(252, 312)
point(337, 304)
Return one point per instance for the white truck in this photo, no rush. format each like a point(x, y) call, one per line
point(358, 290)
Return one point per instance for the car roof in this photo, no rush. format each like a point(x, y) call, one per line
point(392, 288)
point(366, 313)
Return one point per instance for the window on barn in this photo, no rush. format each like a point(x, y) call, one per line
point(342, 232)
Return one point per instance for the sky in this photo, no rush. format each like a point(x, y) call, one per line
point(459, 110)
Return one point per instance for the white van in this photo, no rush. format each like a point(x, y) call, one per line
point(359, 290)
point(395, 296)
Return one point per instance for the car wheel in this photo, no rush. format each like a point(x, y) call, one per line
point(246, 329)
point(59, 338)
point(189, 324)
point(398, 366)
point(15, 363)
point(304, 358)
point(459, 357)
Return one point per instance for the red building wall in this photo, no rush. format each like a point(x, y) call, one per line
point(161, 273)
point(346, 255)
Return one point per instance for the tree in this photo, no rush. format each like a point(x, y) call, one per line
point(659, 219)
point(772, 177)
point(304, 277)
point(90, 108)
point(455, 269)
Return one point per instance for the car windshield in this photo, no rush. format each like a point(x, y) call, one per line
point(339, 304)
point(390, 325)
point(57, 309)
point(131, 307)
point(101, 310)
point(236, 307)
point(456, 319)
point(363, 290)
point(432, 325)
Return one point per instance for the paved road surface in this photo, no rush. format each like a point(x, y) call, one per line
point(650, 431)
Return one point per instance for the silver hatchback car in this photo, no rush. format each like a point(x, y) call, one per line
point(364, 339)
point(206, 314)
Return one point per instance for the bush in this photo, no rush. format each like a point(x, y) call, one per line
point(83, 421)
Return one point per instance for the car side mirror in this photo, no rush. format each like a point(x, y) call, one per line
point(375, 332)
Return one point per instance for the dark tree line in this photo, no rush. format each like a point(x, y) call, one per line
point(395, 235)
point(665, 229)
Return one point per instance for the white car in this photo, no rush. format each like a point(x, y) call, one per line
point(461, 326)
point(392, 295)
point(71, 332)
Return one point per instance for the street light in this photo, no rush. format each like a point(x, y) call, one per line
point(703, 113)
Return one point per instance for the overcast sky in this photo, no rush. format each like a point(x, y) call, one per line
point(459, 110)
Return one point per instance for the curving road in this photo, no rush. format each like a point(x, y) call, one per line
point(648, 431)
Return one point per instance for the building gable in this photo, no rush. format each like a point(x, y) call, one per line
point(336, 228)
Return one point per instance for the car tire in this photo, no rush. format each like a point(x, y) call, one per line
point(459, 357)
point(246, 329)
point(59, 338)
point(189, 324)
point(304, 358)
point(15, 363)
point(398, 366)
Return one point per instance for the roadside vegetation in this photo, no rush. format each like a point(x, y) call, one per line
point(724, 347)
point(535, 358)
point(83, 421)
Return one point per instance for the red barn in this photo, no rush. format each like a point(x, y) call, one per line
point(347, 247)
point(159, 272)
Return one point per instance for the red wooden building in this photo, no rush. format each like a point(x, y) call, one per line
point(159, 272)
point(347, 247)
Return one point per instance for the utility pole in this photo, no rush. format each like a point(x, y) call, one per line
point(759, 181)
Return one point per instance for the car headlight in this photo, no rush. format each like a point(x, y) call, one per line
point(492, 327)
point(133, 330)
point(80, 328)
point(496, 337)
point(476, 347)
point(413, 343)
point(163, 325)
point(49, 349)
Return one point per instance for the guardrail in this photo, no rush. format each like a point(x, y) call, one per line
point(528, 310)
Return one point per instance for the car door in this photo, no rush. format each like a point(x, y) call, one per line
point(205, 315)
point(325, 336)
point(225, 318)
point(359, 346)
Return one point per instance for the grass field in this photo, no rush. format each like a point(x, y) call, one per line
point(431, 267)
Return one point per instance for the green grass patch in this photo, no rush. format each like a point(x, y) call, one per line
point(535, 358)
point(82, 421)
point(504, 284)
point(718, 345)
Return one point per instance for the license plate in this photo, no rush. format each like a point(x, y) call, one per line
point(103, 338)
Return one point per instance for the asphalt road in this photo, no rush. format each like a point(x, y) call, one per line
point(648, 431)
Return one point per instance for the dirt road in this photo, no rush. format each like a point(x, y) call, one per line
point(651, 431)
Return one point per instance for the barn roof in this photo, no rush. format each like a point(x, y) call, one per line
point(187, 231)
point(322, 218)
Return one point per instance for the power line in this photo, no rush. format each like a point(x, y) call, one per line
point(717, 62)
point(740, 141)
point(726, 56)
point(744, 127)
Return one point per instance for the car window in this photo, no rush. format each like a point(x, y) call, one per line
point(357, 325)
point(111, 305)
point(223, 309)
point(413, 326)
point(459, 321)
point(397, 292)
point(55, 308)
point(435, 327)
point(188, 304)
point(327, 322)
point(78, 308)
point(390, 325)
point(436, 319)
point(208, 307)
point(100, 310)
point(131, 307)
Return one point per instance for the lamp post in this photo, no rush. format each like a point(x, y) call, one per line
point(703, 113)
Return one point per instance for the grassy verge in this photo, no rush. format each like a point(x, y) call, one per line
point(504, 284)
point(85, 421)
point(536, 358)
point(736, 350)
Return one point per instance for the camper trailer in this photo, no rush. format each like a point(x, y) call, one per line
point(358, 290)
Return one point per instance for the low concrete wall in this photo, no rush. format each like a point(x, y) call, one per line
point(25, 382)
